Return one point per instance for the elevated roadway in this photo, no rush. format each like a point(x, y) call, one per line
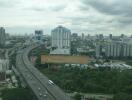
point(39, 83)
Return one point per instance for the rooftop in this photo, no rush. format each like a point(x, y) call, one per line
point(64, 59)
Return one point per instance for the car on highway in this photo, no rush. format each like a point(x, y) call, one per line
point(51, 82)
point(39, 88)
point(40, 94)
point(46, 92)
point(45, 95)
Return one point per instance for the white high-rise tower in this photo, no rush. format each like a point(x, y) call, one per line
point(61, 38)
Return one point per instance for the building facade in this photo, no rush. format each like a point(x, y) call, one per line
point(61, 37)
point(98, 50)
point(2, 36)
point(4, 66)
point(38, 34)
point(118, 49)
point(115, 49)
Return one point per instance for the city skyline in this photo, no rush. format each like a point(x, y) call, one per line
point(81, 16)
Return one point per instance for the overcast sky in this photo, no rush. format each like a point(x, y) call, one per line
point(81, 16)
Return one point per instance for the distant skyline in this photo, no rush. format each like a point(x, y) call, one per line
point(80, 16)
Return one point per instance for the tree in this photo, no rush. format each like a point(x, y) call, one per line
point(17, 94)
point(122, 96)
point(77, 96)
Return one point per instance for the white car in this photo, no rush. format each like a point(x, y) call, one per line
point(39, 88)
point(51, 82)
point(40, 94)
point(44, 95)
point(46, 92)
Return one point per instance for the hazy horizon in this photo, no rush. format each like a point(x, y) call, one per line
point(80, 16)
point(31, 30)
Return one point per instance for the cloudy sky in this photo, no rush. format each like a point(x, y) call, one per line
point(81, 16)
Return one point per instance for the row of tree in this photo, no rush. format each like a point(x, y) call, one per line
point(17, 94)
point(92, 81)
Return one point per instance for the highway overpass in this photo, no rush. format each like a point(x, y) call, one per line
point(39, 84)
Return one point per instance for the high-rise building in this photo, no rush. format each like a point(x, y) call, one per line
point(61, 37)
point(38, 34)
point(118, 49)
point(115, 49)
point(74, 37)
point(4, 66)
point(122, 35)
point(110, 36)
point(2, 36)
point(83, 36)
point(98, 50)
point(101, 36)
point(61, 40)
point(7, 36)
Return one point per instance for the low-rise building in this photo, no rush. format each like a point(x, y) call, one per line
point(4, 66)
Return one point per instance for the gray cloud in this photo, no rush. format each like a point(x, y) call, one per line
point(87, 23)
point(87, 19)
point(54, 8)
point(58, 8)
point(119, 9)
point(37, 9)
point(7, 3)
point(113, 7)
point(79, 15)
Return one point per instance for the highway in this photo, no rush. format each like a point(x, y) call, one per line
point(39, 84)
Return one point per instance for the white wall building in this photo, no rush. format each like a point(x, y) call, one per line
point(115, 49)
point(118, 49)
point(61, 38)
point(4, 65)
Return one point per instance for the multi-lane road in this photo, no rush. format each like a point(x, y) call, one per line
point(42, 87)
